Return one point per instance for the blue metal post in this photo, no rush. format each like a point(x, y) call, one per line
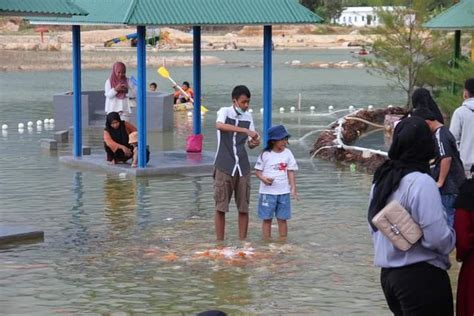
point(267, 81)
point(141, 96)
point(197, 79)
point(76, 83)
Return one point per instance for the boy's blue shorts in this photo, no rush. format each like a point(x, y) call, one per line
point(271, 205)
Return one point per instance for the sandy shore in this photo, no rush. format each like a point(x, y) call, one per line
point(27, 53)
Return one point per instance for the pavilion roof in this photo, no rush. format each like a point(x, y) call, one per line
point(458, 17)
point(188, 12)
point(64, 8)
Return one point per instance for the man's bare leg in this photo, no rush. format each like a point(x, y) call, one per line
point(219, 220)
point(243, 225)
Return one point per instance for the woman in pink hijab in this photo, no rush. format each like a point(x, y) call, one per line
point(119, 92)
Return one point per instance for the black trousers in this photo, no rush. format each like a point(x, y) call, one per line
point(117, 156)
point(418, 289)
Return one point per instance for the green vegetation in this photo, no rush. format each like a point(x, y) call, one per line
point(405, 52)
point(445, 77)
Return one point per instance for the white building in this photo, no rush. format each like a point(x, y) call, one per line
point(359, 16)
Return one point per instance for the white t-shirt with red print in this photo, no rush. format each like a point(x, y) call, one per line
point(275, 166)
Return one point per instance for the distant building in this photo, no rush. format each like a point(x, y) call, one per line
point(359, 16)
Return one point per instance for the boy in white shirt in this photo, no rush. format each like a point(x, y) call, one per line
point(275, 168)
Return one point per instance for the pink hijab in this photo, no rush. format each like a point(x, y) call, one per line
point(115, 81)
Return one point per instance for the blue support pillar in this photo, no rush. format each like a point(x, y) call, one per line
point(267, 81)
point(77, 91)
point(197, 79)
point(141, 96)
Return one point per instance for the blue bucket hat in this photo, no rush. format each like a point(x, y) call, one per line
point(277, 132)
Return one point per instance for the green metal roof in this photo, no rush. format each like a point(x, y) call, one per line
point(188, 12)
point(458, 17)
point(40, 7)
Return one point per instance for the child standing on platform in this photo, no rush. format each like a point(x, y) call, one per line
point(275, 168)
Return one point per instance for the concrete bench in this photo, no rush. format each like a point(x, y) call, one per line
point(159, 111)
point(10, 234)
point(49, 144)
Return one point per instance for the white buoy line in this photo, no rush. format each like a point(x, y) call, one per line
point(312, 108)
point(48, 124)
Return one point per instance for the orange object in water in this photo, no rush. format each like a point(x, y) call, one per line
point(170, 257)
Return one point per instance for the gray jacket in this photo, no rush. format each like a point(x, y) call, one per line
point(419, 194)
point(462, 127)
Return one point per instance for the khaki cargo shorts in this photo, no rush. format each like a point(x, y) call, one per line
point(225, 185)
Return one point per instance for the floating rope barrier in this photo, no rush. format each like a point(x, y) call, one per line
point(341, 144)
point(335, 144)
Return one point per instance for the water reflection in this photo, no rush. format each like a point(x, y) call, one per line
point(197, 196)
point(120, 203)
point(231, 287)
point(78, 231)
point(143, 202)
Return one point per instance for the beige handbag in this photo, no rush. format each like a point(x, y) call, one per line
point(397, 225)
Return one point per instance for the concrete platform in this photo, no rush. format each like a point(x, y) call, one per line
point(12, 234)
point(161, 163)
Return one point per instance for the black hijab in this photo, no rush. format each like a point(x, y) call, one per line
point(421, 98)
point(411, 150)
point(119, 135)
point(465, 199)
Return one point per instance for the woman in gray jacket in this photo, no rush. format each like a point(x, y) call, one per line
point(415, 282)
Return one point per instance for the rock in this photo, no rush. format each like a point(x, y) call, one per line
point(324, 66)
point(296, 62)
point(355, 32)
point(42, 46)
point(31, 46)
point(230, 46)
point(54, 46)
point(11, 46)
point(11, 26)
point(352, 129)
point(366, 154)
point(360, 65)
point(89, 48)
point(347, 65)
point(390, 120)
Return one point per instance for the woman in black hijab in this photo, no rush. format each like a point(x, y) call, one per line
point(116, 139)
point(421, 98)
point(415, 281)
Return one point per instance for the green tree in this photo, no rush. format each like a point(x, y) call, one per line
point(445, 77)
point(333, 9)
point(403, 49)
point(311, 4)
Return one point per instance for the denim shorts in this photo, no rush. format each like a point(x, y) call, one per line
point(448, 203)
point(271, 205)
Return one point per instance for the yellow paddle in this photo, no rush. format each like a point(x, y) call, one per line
point(162, 71)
